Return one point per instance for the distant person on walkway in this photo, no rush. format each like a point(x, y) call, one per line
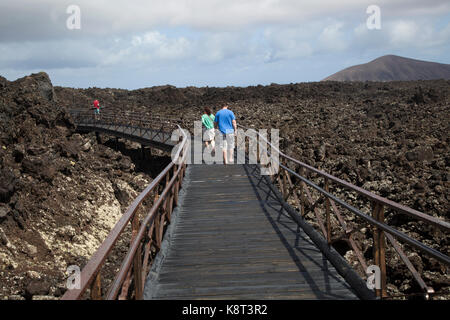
point(208, 123)
point(226, 122)
point(96, 108)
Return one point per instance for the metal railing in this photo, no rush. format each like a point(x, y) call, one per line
point(146, 229)
point(120, 117)
point(295, 187)
point(130, 124)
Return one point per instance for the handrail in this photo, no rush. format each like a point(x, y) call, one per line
point(128, 260)
point(394, 205)
point(90, 275)
point(122, 115)
point(377, 220)
point(98, 258)
point(400, 235)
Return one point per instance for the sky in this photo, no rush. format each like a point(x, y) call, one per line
point(142, 43)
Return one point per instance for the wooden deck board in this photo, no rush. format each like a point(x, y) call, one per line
point(230, 243)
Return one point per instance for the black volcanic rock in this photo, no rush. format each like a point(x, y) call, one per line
point(3, 82)
point(7, 184)
point(51, 189)
point(393, 68)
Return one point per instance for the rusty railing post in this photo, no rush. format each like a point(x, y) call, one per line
point(327, 210)
point(158, 243)
point(96, 287)
point(138, 279)
point(379, 246)
point(285, 186)
point(302, 194)
point(177, 184)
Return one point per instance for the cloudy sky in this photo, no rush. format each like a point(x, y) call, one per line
point(141, 43)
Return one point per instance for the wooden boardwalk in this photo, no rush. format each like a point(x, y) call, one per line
point(228, 242)
point(229, 237)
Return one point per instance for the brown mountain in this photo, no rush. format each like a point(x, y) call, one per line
point(392, 68)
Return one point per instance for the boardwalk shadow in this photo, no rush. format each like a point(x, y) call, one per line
point(301, 249)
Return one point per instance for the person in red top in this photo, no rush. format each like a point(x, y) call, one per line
point(96, 108)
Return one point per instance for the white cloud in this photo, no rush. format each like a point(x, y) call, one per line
point(46, 19)
point(163, 47)
point(332, 37)
point(50, 55)
point(416, 34)
point(403, 32)
point(221, 35)
point(215, 47)
point(155, 47)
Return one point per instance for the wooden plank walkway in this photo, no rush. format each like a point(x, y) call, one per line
point(228, 242)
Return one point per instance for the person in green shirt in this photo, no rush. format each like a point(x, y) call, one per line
point(208, 123)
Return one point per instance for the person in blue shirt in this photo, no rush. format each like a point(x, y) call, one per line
point(226, 123)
